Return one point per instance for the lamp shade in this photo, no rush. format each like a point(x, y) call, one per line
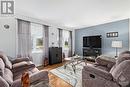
point(117, 44)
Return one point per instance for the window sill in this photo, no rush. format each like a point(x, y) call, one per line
point(37, 51)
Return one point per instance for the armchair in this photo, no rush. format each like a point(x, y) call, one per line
point(18, 65)
point(11, 72)
point(95, 77)
point(117, 76)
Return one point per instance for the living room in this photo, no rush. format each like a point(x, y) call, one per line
point(63, 40)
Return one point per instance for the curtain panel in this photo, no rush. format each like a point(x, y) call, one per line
point(24, 39)
point(70, 44)
point(60, 37)
point(45, 41)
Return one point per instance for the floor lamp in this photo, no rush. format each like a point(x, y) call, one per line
point(116, 45)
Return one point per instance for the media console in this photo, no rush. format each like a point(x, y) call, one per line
point(91, 52)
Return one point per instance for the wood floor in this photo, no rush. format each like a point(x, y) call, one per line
point(55, 81)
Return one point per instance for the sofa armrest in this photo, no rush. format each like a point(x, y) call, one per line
point(99, 72)
point(39, 77)
point(105, 61)
point(17, 60)
point(22, 66)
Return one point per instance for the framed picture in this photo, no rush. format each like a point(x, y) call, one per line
point(112, 34)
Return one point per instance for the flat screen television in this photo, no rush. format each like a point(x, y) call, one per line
point(92, 41)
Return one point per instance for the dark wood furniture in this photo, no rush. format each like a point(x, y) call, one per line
point(55, 55)
point(91, 52)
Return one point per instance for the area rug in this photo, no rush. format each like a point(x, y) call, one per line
point(68, 75)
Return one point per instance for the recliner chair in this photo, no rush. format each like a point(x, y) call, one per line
point(117, 76)
point(11, 72)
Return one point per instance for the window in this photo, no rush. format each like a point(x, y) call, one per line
point(66, 39)
point(37, 37)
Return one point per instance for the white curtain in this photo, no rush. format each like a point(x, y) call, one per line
point(24, 39)
point(45, 41)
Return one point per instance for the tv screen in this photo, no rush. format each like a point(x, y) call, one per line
point(92, 41)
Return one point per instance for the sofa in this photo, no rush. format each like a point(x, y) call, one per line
point(11, 72)
point(105, 73)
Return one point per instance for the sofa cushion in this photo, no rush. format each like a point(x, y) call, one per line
point(121, 73)
point(123, 56)
point(8, 64)
point(8, 76)
point(16, 83)
point(2, 66)
point(3, 83)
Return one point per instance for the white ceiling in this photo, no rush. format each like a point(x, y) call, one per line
point(74, 13)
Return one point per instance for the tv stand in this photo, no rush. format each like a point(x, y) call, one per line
point(87, 51)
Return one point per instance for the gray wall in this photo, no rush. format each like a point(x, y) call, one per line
point(122, 27)
point(8, 36)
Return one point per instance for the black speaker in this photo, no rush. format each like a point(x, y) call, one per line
point(55, 55)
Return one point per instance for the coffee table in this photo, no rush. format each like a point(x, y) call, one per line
point(75, 60)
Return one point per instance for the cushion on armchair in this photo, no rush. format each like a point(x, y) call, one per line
point(121, 73)
point(3, 83)
point(3, 56)
point(8, 76)
point(123, 56)
point(2, 66)
point(5, 73)
point(17, 83)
